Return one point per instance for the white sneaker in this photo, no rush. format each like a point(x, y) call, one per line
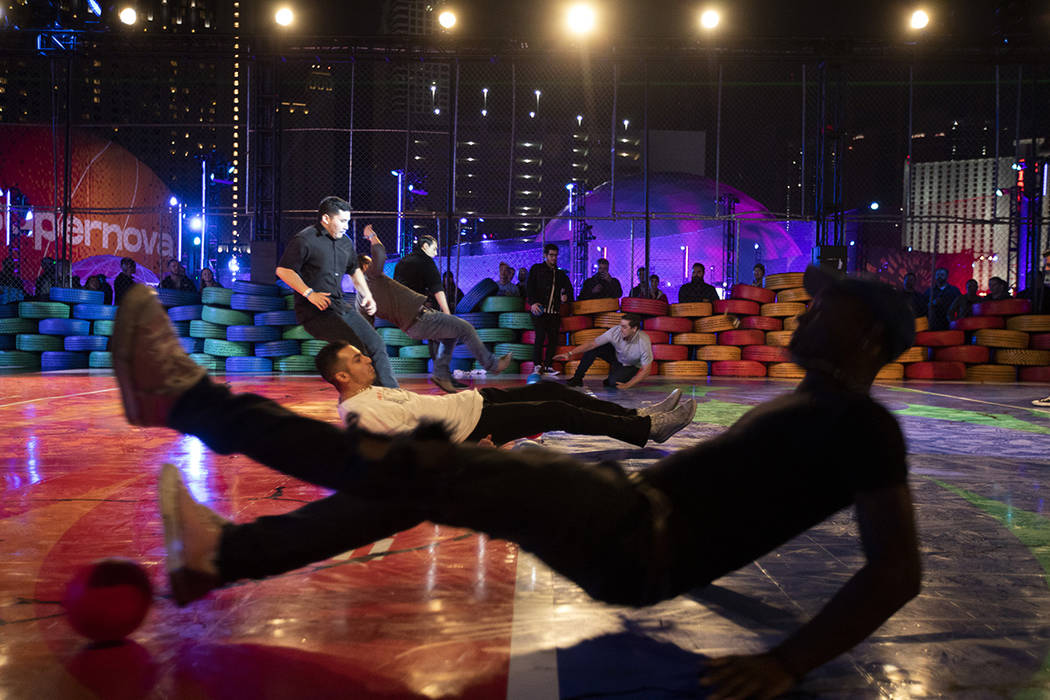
point(1042, 402)
point(549, 371)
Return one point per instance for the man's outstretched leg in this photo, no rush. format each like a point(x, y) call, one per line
point(161, 386)
point(205, 551)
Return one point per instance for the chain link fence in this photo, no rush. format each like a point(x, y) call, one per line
point(730, 162)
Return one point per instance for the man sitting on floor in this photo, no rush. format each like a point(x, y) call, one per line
point(503, 414)
point(629, 539)
point(625, 347)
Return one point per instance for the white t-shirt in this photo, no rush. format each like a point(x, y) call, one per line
point(636, 352)
point(393, 411)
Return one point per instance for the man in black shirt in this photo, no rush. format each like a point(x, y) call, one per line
point(313, 265)
point(642, 290)
point(696, 289)
point(406, 309)
point(939, 298)
point(177, 279)
point(123, 282)
point(548, 287)
point(602, 285)
point(419, 272)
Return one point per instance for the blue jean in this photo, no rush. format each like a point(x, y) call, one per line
point(341, 322)
point(450, 330)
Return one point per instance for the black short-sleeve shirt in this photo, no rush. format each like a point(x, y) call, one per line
point(321, 261)
point(419, 272)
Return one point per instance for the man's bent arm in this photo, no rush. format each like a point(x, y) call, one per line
point(292, 279)
point(890, 578)
point(442, 301)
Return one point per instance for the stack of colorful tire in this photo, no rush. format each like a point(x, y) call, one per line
point(45, 335)
point(693, 367)
point(1007, 332)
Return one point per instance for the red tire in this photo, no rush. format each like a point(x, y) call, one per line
point(972, 354)
point(974, 323)
point(645, 307)
point(738, 368)
point(939, 339)
point(1034, 374)
point(740, 307)
point(528, 337)
point(1039, 341)
point(762, 323)
point(935, 370)
point(670, 352)
point(1003, 307)
point(576, 323)
point(749, 293)
point(671, 324)
point(659, 337)
point(527, 367)
point(766, 353)
point(748, 337)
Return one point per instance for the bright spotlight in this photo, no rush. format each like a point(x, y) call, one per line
point(95, 8)
point(874, 206)
point(710, 19)
point(174, 201)
point(197, 240)
point(128, 15)
point(29, 215)
point(196, 224)
point(919, 19)
point(581, 19)
point(284, 16)
point(447, 19)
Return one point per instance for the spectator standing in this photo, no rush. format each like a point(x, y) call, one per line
point(548, 288)
point(601, 285)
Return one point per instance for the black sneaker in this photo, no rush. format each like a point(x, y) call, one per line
point(573, 381)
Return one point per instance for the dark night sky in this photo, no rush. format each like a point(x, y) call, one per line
point(968, 21)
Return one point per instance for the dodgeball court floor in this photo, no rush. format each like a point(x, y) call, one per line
point(439, 612)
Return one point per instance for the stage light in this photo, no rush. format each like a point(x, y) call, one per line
point(873, 206)
point(95, 8)
point(284, 16)
point(29, 215)
point(174, 201)
point(999, 192)
point(581, 19)
point(484, 113)
point(233, 266)
point(447, 19)
point(196, 240)
point(710, 19)
point(195, 225)
point(625, 123)
point(579, 120)
point(919, 19)
point(128, 15)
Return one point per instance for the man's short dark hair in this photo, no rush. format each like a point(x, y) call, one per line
point(759, 266)
point(696, 265)
point(328, 358)
point(602, 261)
point(125, 261)
point(425, 239)
point(332, 205)
point(633, 320)
point(549, 247)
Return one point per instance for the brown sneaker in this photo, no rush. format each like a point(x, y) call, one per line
point(152, 369)
point(191, 537)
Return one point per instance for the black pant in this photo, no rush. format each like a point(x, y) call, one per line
point(617, 371)
point(548, 332)
point(340, 321)
point(508, 414)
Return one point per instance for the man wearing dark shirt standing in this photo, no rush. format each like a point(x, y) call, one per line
point(548, 287)
point(123, 282)
point(177, 279)
point(642, 289)
point(602, 285)
point(313, 265)
point(939, 298)
point(696, 289)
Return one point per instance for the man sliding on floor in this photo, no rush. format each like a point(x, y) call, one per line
point(626, 539)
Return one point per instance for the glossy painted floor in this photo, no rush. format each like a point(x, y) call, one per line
point(439, 612)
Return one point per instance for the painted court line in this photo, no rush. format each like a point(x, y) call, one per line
point(1034, 409)
point(49, 398)
point(533, 671)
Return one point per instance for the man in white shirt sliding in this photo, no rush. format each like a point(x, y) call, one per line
point(503, 414)
point(625, 347)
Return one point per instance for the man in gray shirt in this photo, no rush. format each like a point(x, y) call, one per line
point(625, 347)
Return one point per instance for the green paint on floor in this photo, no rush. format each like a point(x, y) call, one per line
point(958, 415)
point(722, 413)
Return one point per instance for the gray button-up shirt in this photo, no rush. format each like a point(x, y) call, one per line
point(636, 352)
